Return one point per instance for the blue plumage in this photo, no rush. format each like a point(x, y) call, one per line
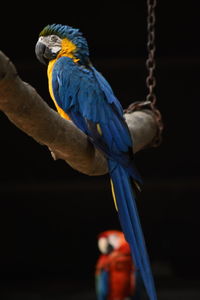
point(85, 95)
point(93, 106)
point(102, 285)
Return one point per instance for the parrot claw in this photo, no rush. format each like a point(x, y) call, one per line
point(53, 154)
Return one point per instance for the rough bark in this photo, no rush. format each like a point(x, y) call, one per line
point(28, 111)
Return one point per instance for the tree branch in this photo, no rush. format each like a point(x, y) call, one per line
point(27, 110)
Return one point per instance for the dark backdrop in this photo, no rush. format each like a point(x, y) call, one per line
point(51, 214)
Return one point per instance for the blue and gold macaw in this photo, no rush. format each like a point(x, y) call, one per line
point(82, 94)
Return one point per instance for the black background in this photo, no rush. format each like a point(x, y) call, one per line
point(50, 215)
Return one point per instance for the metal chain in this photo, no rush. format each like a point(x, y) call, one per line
point(151, 65)
point(150, 62)
point(150, 102)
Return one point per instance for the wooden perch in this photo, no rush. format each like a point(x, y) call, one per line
point(27, 110)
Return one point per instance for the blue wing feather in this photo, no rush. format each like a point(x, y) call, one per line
point(102, 285)
point(106, 88)
point(87, 93)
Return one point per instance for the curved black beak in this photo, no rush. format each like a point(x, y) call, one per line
point(39, 51)
point(43, 53)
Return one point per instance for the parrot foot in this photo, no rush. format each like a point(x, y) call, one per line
point(54, 155)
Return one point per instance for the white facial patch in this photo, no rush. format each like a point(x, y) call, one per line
point(114, 241)
point(53, 42)
point(103, 245)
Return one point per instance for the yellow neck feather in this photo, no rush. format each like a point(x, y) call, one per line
point(68, 49)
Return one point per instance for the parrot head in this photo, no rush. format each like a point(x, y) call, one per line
point(110, 240)
point(58, 40)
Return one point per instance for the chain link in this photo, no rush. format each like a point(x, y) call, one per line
point(151, 65)
point(150, 62)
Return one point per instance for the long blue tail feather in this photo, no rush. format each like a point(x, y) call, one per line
point(130, 223)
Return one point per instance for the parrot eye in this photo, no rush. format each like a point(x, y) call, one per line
point(53, 38)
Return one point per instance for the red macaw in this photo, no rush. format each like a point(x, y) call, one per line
point(115, 271)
